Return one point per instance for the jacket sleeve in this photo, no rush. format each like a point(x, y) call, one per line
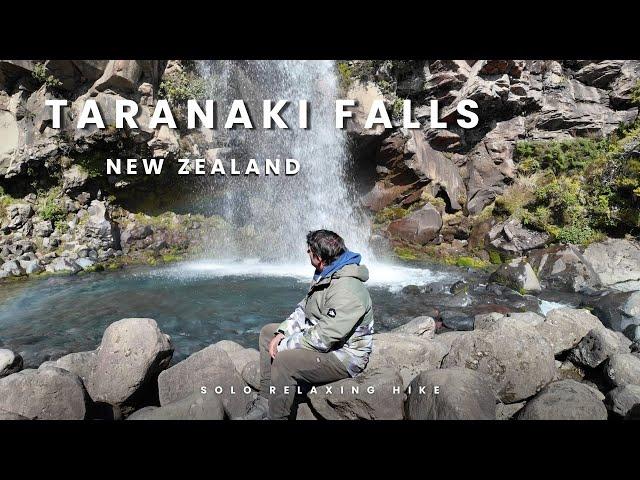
point(342, 312)
point(294, 322)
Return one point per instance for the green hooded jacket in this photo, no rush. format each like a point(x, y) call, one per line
point(335, 316)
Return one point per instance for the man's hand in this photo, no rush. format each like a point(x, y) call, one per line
point(273, 345)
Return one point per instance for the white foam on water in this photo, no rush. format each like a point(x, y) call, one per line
point(393, 277)
point(546, 306)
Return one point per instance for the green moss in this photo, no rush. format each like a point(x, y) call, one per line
point(345, 75)
point(390, 213)
point(471, 262)
point(494, 257)
point(405, 253)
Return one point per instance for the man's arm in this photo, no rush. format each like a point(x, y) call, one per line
point(342, 312)
point(294, 322)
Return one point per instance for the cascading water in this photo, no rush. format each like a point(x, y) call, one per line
point(273, 213)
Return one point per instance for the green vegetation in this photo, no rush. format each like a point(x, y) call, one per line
point(576, 190)
point(183, 86)
point(49, 208)
point(391, 213)
point(345, 76)
point(41, 74)
point(635, 94)
point(471, 262)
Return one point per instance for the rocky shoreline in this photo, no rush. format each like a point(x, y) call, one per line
point(566, 365)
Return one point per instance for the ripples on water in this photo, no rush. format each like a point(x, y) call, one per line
point(197, 303)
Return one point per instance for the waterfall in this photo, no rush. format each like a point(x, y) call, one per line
point(272, 214)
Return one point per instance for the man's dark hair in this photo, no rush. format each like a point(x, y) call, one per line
point(326, 244)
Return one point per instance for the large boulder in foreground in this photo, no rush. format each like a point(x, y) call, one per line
point(423, 326)
point(463, 394)
point(80, 363)
point(372, 395)
point(9, 362)
point(48, 393)
point(564, 328)
point(132, 353)
point(518, 275)
point(211, 368)
point(622, 400)
point(408, 354)
point(598, 345)
point(565, 400)
point(194, 407)
point(623, 369)
point(516, 357)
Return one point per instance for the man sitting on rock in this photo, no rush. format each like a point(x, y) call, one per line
point(327, 338)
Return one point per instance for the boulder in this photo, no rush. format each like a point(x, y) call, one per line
point(80, 363)
point(423, 326)
point(11, 416)
point(48, 393)
point(598, 345)
point(508, 411)
point(228, 346)
point(518, 275)
point(305, 413)
point(406, 353)
point(565, 400)
point(487, 321)
point(251, 374)
point(13, 268)
point(120, 75)
point(518, 359)
point(63, 265)
point(563, 267)
point(73, 178)
point(18, 214)
point(210, 368)
point(617, 310)
point(100, 227)
point(368, 396)
point(512, 239)
point(132, 353)
point(420, 226)
point(622, 400)
point(242, 357)
point(623, 369)
point(616, 261)
point(564, 328)
point(194, 407)
point(462, 394)
point(9, 362)
point(43, 228)
point(31, 267)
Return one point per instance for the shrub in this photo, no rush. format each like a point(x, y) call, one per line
point(180, 87)
point(41, 74)
point(559, 156)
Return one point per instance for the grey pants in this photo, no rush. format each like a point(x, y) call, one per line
point(292, 368)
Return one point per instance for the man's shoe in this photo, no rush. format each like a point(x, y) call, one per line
point(258, 410)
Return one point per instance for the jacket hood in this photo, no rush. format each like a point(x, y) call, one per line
point(347, 258)
point(361, 272)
